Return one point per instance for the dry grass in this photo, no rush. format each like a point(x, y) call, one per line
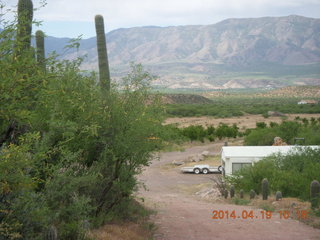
point(169, 166)
point(284, 204)
point(192, 189)
point(243, 122)
point(293, 205)
point(124, 231)
point(291, 91)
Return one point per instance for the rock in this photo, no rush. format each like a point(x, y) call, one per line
point(198, 158)
point(275, 114)
point(275, 204)
point(205, 153)
point(279, 142)
point(209, 193)
point(177, 163)
point(189, 159)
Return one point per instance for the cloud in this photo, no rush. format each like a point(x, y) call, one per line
point(129, 13)
point(120, 10)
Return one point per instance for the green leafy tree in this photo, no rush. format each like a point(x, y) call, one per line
point(69, 153)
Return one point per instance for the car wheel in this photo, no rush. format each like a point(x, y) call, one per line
point(205, 171)
point(197, 171)
point(220, 168)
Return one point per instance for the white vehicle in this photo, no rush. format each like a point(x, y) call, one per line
point(201, 169)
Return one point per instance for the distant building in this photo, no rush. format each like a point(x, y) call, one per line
point(311, 102)
point(233, 158)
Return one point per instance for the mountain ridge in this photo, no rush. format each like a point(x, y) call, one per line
point(235, 49)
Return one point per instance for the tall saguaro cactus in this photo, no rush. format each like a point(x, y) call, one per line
point(232, 191)
point(104, 73)
point(40, 49)
point(25, 16)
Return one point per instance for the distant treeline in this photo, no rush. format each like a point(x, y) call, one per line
point(263, 134)
point(230, 107)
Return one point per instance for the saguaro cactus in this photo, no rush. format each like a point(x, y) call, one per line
point(241, 193)
point(252, 194)
point(315, 194)
point(226, 194)
point(104, 73)
point(40, 49)
point(232, 191)
point(278, 195)
point(265, 189)
point(25, 16)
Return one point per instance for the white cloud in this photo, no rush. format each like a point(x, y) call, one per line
point(128, 13)
point(120, 10)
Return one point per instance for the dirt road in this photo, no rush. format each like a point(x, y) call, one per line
point(182, 216)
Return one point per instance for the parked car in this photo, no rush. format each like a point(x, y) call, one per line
point(201, 169)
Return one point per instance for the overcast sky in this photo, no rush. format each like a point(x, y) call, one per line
point(71, 18)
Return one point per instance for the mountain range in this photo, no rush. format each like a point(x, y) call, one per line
point(235, 53)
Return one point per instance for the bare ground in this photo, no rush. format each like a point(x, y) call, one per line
point(243, 122)
point(181, 215)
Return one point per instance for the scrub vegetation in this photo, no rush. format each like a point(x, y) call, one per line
point(69, 151)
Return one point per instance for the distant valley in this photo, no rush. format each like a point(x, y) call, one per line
point(268, 52)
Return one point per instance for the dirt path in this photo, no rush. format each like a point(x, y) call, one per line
point(181, 216)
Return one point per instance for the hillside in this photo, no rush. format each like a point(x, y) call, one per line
point(256, 52)
point(302, 92)
point(294, 91)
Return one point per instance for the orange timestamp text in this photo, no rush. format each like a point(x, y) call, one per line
point(251, 214)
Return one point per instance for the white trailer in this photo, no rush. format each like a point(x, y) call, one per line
point(234, 158)
point(205, 169)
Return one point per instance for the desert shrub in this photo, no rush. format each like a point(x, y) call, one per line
point(311, 134)
point(267, 207)
point(223, 130)
point(287, 130)
point(273, 124)
point(69, 152)
point(194, 132)
point(260, 137)
point(261, 125)
point(210, 130)
point(237, 106)
point(171, 133)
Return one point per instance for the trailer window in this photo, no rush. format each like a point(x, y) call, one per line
point(237, 166)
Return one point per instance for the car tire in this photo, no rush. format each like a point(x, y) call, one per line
point(196, 171)
point(205, 170)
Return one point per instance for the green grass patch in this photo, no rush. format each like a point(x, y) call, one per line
point(240, 201)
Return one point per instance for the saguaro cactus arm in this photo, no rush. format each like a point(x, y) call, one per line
point(104, 73)
point(40, 49)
